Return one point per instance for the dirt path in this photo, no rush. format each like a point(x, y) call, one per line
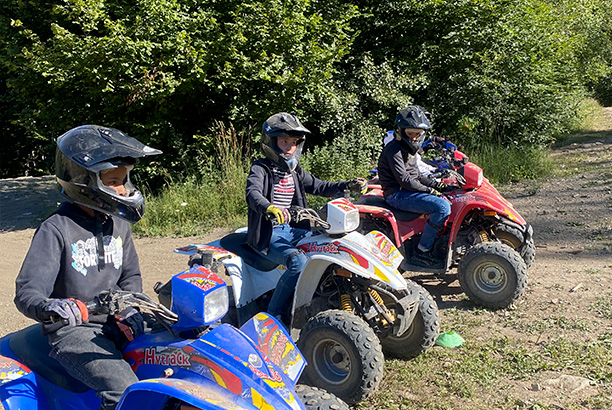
point(571, 216)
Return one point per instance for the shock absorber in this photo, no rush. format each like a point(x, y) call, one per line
point(345, 301)
point(376, 296)
point(484, 237)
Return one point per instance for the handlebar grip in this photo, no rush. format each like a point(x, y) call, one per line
point(50, 327)
point(51, 322)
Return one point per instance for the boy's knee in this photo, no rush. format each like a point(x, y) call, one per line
point(297, 260)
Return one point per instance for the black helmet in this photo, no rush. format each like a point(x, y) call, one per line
point(412, 117)
point(83, 152)
point(282, 125)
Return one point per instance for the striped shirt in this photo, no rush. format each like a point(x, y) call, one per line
point(284, 188)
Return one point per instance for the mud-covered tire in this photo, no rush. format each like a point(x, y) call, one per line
point(423, 330)
point(492, 274)
point(513, 237)
point(344, 355)
point(319, 399)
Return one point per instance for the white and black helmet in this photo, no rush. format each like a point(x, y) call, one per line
point(411, 118)
point(83, 152)
point(282, 124)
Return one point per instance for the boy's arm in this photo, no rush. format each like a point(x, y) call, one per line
point(315, 186)
point(407, 179)
point(131, 278)
point(36, 279)
point(254, 190)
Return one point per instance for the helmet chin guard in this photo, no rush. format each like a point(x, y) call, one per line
point(278, 125)
point(83, 152)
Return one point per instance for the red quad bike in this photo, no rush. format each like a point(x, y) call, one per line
point(485, 238)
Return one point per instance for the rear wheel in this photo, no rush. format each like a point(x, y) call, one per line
point(344, 355)
point(492, 274)
point(318, 399)
point(513, 237)
point(422, 332)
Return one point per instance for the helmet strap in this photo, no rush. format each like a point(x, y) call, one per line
point(100, 238)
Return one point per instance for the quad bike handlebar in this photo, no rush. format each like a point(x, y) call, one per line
point(299, 214)
point(110, 302)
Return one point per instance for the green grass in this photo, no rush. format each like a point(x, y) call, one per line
point(194, 208)
point(480, 374)
point(503, 165)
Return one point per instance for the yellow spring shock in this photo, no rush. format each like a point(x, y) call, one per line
point(380, 302)
point(484, 237)
point(376, 297)
point(345, 300)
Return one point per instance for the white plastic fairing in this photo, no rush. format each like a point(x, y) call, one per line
point(342, 216)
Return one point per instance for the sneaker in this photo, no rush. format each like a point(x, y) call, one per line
point(426, 260)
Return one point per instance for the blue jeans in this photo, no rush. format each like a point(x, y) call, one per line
point(424, 203)
point(283, 251)
point(90, 356)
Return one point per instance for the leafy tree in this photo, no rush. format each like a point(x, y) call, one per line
point(504, 71)
point(161, 70)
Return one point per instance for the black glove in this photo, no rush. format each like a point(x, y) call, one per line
point(72, 312)
point(447, 187)
point(357, 185)
point(130, 322)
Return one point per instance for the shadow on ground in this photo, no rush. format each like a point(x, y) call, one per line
point(25, 202)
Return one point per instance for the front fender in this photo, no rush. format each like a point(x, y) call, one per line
point(463, 204)
point(276, 343)
point(318, 263)
point(384, 214)
point(153, 394)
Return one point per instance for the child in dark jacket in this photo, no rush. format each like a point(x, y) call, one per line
point(274, 184)
point(406, 187)
point(85, 248)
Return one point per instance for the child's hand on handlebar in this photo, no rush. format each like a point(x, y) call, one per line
point(282, 216)
point(358, 185)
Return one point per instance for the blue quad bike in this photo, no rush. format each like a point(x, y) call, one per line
point(186, 360)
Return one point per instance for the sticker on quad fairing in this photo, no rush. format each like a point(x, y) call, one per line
point(203, 278)
point(11, 370)
point(314, 247)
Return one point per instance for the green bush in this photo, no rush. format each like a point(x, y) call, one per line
point(500, 72)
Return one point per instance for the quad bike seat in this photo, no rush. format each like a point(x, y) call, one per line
point(236, 243)
point(32, 348)
point(381, 203)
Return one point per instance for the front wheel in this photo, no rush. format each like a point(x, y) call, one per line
point(492, 274)
point(318, 399)
point(513, 237)
point(422, 332)
point(343, 354)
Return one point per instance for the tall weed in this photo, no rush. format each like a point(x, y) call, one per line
point(503, 164)
point(212, 199)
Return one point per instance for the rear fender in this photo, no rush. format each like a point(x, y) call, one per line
point(479, 206)
point(218, 253)
point(384, 214)
point(22, 388)
point(19, 388)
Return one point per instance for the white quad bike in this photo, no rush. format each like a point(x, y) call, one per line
point(349, 300)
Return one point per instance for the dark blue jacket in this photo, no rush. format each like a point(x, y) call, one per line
point(259, 191)
point(398, 169)
point(62, 260)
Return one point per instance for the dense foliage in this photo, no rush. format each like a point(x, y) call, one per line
point(168, 71)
